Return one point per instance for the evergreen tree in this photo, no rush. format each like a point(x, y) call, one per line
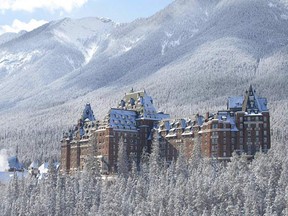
point(122, 159)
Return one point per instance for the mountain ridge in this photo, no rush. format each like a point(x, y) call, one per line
point(189, 56)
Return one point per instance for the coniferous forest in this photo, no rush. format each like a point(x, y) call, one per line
point(190, 186)
point(191, 56)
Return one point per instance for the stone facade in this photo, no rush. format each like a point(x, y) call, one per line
point(243, 128)
point(133, 121)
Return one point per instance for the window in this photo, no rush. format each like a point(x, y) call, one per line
point(249, 119)
point(241, 140)
point(265, 119)
point(241, 119)
point(224, 147)
point(224, 154)
point(257, 133)
point(249, 133)
point(249, 148)
point(214, 141)
point(265, 133)
point(214, 148)
point(214, 126)
point(257, 147)
point(265, 125)
point(233, 140)
point(241, 133)
point(265, 139)
point(241, 147)
point(224, 140)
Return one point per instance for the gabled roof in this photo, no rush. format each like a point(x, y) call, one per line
point(253, 103)
point(249, 102)
point(88, 113)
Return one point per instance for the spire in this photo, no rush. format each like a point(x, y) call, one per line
point(251, 101)
point(88, 113)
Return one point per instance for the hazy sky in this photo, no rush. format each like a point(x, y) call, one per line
point(16, 15)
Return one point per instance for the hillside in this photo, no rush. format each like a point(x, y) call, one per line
point(189, 57)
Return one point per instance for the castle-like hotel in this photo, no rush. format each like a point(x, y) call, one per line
point(243, 128)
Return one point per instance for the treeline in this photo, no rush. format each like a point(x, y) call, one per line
point(190, 186)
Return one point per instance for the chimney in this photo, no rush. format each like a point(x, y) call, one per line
point(207, 116)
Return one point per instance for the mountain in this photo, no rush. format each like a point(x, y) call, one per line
point(6, 37)
point(190, 57)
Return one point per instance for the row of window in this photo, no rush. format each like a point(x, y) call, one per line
point(256, 118)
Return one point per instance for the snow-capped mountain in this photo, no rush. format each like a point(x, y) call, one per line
point(190, 56)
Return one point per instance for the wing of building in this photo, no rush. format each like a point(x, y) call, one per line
point(133, 120)
point(244, 127)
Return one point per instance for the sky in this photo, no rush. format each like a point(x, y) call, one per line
point(17, 15)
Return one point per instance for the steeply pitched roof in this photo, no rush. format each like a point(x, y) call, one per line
point(253, 103)
point(249, 102)
point(235, 102)
point(142, 103)
point(88, 113)
point(121, 119)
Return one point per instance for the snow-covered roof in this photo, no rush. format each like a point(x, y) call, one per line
point(121, 119)
point(143, 104)
point(34, 164)
point(88, 113)
point(235, 102)
point(226, 117)
point(263, 104)
point(44, 169)
point(14, 163)
point(171, 135)
point(249, 102)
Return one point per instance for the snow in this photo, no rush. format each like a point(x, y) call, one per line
point(34, 164)
point(88, 113)
point(14, 163)
point(44, 169)
point(220, 60)
point(12, 61)
point(122, 119)
point(5, 177)
point(85, 34)
point(171, 135)
point(225, 116)
point(235, 102)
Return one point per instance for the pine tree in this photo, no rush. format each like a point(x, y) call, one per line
point(122, 159)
